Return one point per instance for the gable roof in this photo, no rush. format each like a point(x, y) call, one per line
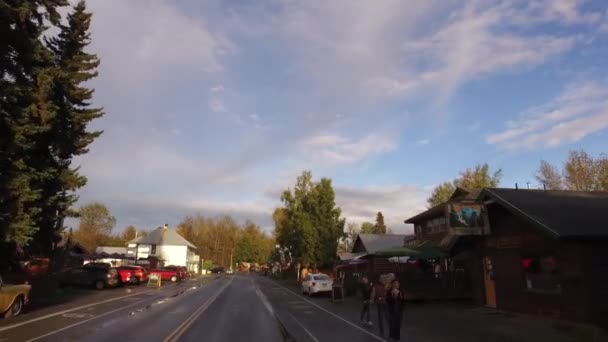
point(373, 243)
point(559, 213)
point(163, 236)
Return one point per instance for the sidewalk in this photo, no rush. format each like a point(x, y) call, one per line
point(458, 321)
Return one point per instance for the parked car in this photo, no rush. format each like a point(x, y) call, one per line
point(13, 298)
point(230, 271)
point(182, 272)
point(36, 266)
point(315, 283)
point(138, 273)
point(168, 274)
point(97, 276)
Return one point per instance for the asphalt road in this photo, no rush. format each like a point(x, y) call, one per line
point(225, 308)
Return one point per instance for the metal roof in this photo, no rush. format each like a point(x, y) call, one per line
point(560, 213)
point(376, 242)
point(163, 236)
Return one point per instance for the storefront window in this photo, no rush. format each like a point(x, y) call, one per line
point(541, 274)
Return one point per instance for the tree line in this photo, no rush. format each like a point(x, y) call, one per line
point(580, 172)
point(45, 110)
point(96, 227)
point(217, 238)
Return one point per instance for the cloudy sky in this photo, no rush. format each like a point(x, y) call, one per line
point(214, 107)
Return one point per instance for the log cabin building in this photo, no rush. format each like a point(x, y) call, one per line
point(532, 251)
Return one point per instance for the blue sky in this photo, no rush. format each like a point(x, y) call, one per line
point(214, 107)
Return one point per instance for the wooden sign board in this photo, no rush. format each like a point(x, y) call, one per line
point(154, 280)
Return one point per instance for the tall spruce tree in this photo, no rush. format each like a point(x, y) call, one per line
point(26, 112)
point(379, 227)
point(68, 136)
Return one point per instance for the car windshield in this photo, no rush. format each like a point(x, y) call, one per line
point(321, 277)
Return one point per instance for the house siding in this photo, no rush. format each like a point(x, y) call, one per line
point(511, 293)
point(173, 255)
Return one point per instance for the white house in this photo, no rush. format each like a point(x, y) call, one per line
point(168, 246)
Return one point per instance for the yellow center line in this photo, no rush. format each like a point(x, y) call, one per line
point(181, 329)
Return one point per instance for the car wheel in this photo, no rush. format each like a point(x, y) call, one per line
point(174, 279)
point(136, 281)
point(15, 308)
point(99, 285)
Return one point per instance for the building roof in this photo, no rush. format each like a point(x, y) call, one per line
point(163, 236)
point(559, 213)
point(111, 250)
point(377, 242)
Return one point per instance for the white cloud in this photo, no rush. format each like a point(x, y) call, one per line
point(580, 110)
point(338, 150)
point(140, 41)
point(423, 142)
point(397, 203)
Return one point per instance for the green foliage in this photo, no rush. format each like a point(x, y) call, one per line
point(476, 178)
point(379, 227)
point(45, 111)
point(367, 228)
point(309, 224)
point(253, 245)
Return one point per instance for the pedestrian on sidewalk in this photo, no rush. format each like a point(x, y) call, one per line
point(380, 291)
point(366, 296)
point(395, 302)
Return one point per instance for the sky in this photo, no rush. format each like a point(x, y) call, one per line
point(215, 107)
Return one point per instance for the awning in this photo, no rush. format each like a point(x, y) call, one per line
point(418, 253)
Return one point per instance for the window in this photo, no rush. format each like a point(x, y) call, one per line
point(541, 274)
point(153, 249)
point(321, 277)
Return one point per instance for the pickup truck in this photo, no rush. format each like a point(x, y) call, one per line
point(13, 298)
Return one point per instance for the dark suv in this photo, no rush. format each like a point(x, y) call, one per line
point(97, 276)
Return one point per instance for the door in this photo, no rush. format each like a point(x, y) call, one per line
point(488, 279)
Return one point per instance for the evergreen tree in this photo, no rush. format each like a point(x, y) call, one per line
point(26, 112)
point(68, 135)
point(379, 227)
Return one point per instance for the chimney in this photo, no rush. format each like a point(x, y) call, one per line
point(516, 188)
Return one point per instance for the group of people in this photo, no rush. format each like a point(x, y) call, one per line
point(388, 298)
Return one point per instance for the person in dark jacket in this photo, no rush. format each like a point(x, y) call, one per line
point(394, 303)
point(366, 296)
point(380, 292)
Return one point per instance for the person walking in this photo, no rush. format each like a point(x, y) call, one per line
point(394, 303)
point(380, 292)
point(366, 296)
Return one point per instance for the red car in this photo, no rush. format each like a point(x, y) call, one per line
point(132, 274)
point(168, 274)
point(182, 271)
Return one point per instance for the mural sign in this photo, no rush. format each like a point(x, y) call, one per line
point(462, 215)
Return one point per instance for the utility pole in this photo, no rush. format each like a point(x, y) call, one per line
point(230, 259)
